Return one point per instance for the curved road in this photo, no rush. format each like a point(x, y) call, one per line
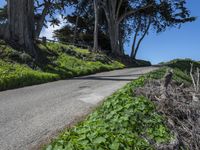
point(33, 114)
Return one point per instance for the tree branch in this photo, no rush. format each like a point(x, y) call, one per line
point(131, 12)
point(191, 75)
point(139, 42)
point(118, 8)
point(134, 40)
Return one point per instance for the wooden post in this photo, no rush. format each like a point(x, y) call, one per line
point(44, 40)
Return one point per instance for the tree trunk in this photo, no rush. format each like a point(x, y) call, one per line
point(96, 11)
point(134, 41)
point(41, 21)
point(75, 30)
point(135, 49)
point(111, 9)
point(114, 38)
point(121, 42)
point(3, 30)
point(21, 24)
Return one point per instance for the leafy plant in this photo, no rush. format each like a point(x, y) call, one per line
point(15, 70)
point(122, 122)
point(15, 75)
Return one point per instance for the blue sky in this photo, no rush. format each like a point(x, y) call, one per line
point(171, 44)
point(174, 43)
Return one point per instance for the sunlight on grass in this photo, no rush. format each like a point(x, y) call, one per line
point(63, 61)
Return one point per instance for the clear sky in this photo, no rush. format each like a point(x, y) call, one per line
point(174, 43)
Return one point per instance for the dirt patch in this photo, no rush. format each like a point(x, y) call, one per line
point(177, 103)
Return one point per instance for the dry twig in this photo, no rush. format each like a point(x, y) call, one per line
point(182, 111)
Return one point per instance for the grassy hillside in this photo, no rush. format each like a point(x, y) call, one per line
point(57, 61)
point(13, 75)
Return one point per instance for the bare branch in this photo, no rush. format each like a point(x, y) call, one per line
point(144, 34)
point(198, 76)
point(192, 77)
point(118, 8)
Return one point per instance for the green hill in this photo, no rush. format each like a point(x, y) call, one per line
point(57, 61)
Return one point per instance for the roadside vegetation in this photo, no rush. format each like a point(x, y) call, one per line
point(126, 120)
point(183, 64)
point(18, 69)
point(123, 121)
point(179, 102)
point(13, 75)
point(90, 24)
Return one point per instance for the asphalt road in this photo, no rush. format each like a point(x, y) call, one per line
point(34, 114)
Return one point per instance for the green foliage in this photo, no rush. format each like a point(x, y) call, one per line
point(183, 64)
point(83, 24)
point(182, 69)
point(3, 14)
point(182, 77)
point(76, 67)
point(142, 62)
point(7, 52)
point(15, 75)
point(178, 75)
point(122, 122)
point(59, 65)
point(71, 61)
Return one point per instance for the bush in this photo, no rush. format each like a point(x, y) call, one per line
point(15, 75)
point(183, 64)
point(142, 63)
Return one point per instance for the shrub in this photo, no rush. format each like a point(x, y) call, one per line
point(15, 75)
point(183, 64)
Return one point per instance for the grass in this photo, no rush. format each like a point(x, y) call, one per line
point(16, 75)
point(60, 62)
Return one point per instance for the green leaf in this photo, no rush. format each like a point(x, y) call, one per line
point(49, 147)
point(114, 146)
point(99, 140)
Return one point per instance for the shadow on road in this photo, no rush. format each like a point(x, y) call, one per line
point(110, 78)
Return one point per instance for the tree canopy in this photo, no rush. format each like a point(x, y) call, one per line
point(104, 24)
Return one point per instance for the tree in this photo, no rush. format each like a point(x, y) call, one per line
point(96, 12)
point(20, 25)
point(44, 8)
point(3, 20)
point(164, 13)
point(3, 14)
point(24, 20)
point(80, 28)
point(116, 11)
point(79, 8)
point(142, 28)
point(168, 14)
point(85, 32)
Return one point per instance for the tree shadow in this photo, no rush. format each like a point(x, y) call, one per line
point(110, 78)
